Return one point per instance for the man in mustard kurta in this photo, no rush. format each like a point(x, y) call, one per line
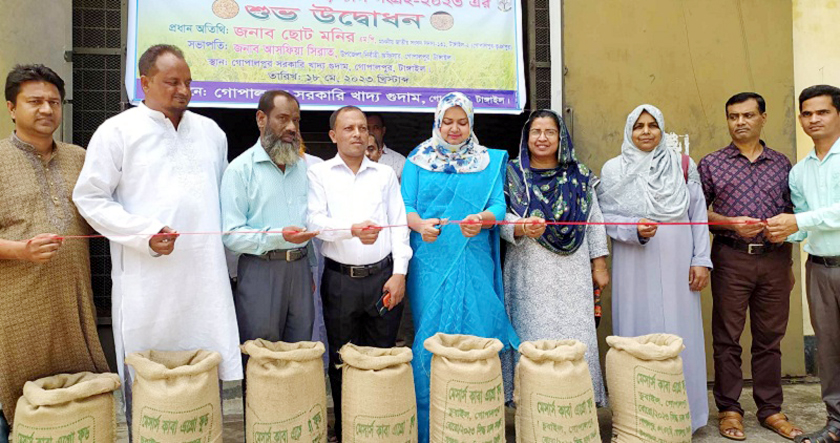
point(49, 321)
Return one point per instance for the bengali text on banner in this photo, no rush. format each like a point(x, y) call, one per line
point(376, 54)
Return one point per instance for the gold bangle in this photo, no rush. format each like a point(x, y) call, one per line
point(600, 270)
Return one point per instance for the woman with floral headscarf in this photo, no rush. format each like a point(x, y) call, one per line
point(658, 272)
point(454, 278)
point(551, 271)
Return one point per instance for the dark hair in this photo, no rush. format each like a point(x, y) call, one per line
point(820, 90)
point(31, 73)
point(338, 112)
point(542, 113)
point(266, 104)
point(741, 97)
point(146, 65)
point(378, 115)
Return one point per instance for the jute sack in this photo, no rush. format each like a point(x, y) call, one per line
point(287, 394)
point(67, 408)
point(647, 389)
point(554, 395)
point(467, 401)
point(176, 397)
point(377, 395)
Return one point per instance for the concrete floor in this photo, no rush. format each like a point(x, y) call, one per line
point(802, 404)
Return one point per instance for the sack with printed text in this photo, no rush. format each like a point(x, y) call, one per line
point(554, 394)
point(647, 389)
point(467, 401)
point(67, 408)
point(377, 395)
point(176, 397)
point(287, 394)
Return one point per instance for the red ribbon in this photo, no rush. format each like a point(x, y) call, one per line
point(454, 222)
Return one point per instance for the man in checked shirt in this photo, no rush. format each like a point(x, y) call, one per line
point(747, 182)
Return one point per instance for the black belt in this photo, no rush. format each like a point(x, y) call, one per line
point(830, 262)
point(284, 254)
point(358, 271)
point(749, 248)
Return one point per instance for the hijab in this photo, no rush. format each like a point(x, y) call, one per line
point(646, 184)
point(562, 194)
point(436, 155)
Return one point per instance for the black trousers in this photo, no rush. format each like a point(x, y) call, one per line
point(351, 317)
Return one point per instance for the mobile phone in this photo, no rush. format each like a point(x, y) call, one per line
point(383, 303)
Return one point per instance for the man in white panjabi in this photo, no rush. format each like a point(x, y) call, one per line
point(155, 169)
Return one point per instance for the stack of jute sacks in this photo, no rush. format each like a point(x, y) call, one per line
point(647, 389)
point(67, 408)
point(378, 398)
point(467, 396)
point(553, 393)
point(175, 397)
point(286, 394)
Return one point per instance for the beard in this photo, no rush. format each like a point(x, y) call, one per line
point(280, 152)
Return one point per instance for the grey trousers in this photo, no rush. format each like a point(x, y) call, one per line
point(273, 300)
point(824, 303)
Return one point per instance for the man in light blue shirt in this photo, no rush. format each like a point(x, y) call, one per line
point(265, 189)
point(815, 192)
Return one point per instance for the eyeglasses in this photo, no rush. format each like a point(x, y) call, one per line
point(549, 133)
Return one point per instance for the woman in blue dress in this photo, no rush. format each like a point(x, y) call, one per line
point(455, 277)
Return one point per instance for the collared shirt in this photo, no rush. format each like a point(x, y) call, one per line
point(393, 159)
point(734, 186)
point(338, 199)
point(257, 196)
point(815, 190)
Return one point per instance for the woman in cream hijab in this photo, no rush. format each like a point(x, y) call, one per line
point(658, 272)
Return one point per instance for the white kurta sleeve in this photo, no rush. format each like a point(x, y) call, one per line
point(95, 189)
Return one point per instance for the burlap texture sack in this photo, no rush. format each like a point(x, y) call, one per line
point(287, 394)
point(647, 389)
point(378, 403)
point(554, 395)
point(67, 408)
point(467, 401)
point(176, 397)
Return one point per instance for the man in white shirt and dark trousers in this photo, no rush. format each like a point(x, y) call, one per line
point(351, 199)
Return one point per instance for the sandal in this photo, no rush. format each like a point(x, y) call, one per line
point(821, 436)
point(780, 424)
point(729, 421)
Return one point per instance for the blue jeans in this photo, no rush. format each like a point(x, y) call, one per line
point(4, 429)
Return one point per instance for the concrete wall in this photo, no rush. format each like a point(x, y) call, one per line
point(816, 58)
point(687, 58)
point(37, 32)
